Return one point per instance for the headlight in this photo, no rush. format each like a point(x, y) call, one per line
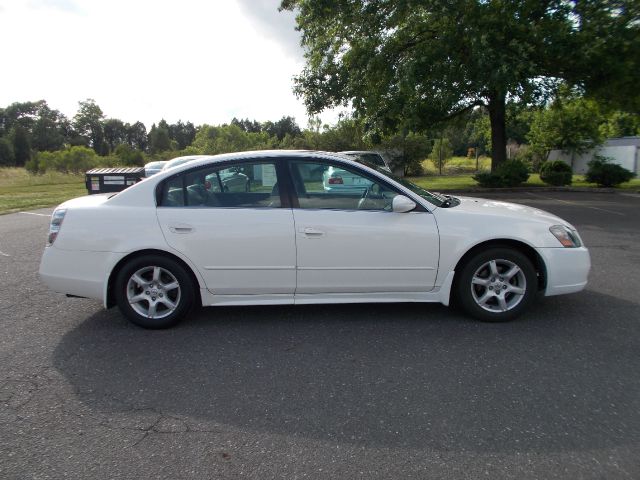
point(56, 223)
point(566, 236)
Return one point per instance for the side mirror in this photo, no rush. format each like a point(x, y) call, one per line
point(402, 204)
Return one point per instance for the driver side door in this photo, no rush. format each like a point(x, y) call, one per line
point(348, 238)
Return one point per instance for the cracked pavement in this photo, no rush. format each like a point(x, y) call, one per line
point(339, 391)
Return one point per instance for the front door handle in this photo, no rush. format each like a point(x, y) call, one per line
point(311, 232)
point(181, 228)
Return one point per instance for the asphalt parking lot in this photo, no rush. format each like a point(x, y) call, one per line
point(347, 391)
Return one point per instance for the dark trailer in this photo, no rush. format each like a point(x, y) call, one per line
point(105, 180)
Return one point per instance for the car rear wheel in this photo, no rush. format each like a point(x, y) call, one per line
point(496, 285)
point(154, 292)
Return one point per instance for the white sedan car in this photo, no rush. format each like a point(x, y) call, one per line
point(167, 244)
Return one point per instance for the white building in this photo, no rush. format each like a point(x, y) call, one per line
point(624, 151)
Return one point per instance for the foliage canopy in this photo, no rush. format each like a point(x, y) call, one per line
point(412, 63)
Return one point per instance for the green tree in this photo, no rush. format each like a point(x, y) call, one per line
point(50, 130)
point(607, 43)
point(284, 126)
point(159, 139)
point(129, 156)
point(78, 159)
point(441, 153)
point(46, 129)
point(137, 136)
point(479, 128)
point(21, 144)
point(406, 151)
point(412, 63)
point(88, 123)
point(346, 134)
point(7, 157)
point(23, 114)
point(115, 133)
point(571, 123)
point(212, 140)
point(247, 125)
point(182, 133)
point(621, 124)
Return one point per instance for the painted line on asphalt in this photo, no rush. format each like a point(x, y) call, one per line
point(38, 214)
point(4, 254)
point(575, 204)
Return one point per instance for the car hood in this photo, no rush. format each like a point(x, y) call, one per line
point(515, 211)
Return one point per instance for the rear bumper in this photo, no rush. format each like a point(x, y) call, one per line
point(82, 274)
point(567, 269)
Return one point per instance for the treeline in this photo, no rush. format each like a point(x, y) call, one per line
point(41, 138)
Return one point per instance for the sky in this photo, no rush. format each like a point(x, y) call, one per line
point(204, 61)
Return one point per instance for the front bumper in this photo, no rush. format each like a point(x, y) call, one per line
point(567, 269)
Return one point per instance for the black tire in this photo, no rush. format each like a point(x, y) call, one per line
point(170, 271)
point(469, 296)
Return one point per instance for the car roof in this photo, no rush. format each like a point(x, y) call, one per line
point(358, 152)
point(262, 154)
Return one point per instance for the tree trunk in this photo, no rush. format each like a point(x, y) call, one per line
point(498, 129)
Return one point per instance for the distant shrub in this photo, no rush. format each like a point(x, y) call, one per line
point(530, 158)
point(32, 165)
point(556, 172)
point(488, 180)
point(606, 174)
point(40, 162)
point(509, 174)
point(129, 156)
point(7, 157)
point(71, 160)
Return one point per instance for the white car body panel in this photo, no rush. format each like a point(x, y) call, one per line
point(567, 269)
point(221, 242)
point(361, 256)
point(349, 251)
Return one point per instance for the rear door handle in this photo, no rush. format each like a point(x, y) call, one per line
point(181, 228)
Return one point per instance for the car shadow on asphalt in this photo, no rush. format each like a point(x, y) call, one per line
point(563, 377)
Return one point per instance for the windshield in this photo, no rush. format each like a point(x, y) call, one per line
point(435, 198)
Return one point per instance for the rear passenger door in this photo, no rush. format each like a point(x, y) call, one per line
point(231, 222)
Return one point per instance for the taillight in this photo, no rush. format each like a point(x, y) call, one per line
point(54, 227)
point(335, 181)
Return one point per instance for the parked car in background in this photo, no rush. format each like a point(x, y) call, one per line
point(169, 243)
point(203, 185)
point(228, 180)
point(174, 162)
point(374, 158)
point(338, 180)
point(152, 168)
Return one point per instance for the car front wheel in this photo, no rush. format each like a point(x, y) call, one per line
point(154, 292)
point(496, 285)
